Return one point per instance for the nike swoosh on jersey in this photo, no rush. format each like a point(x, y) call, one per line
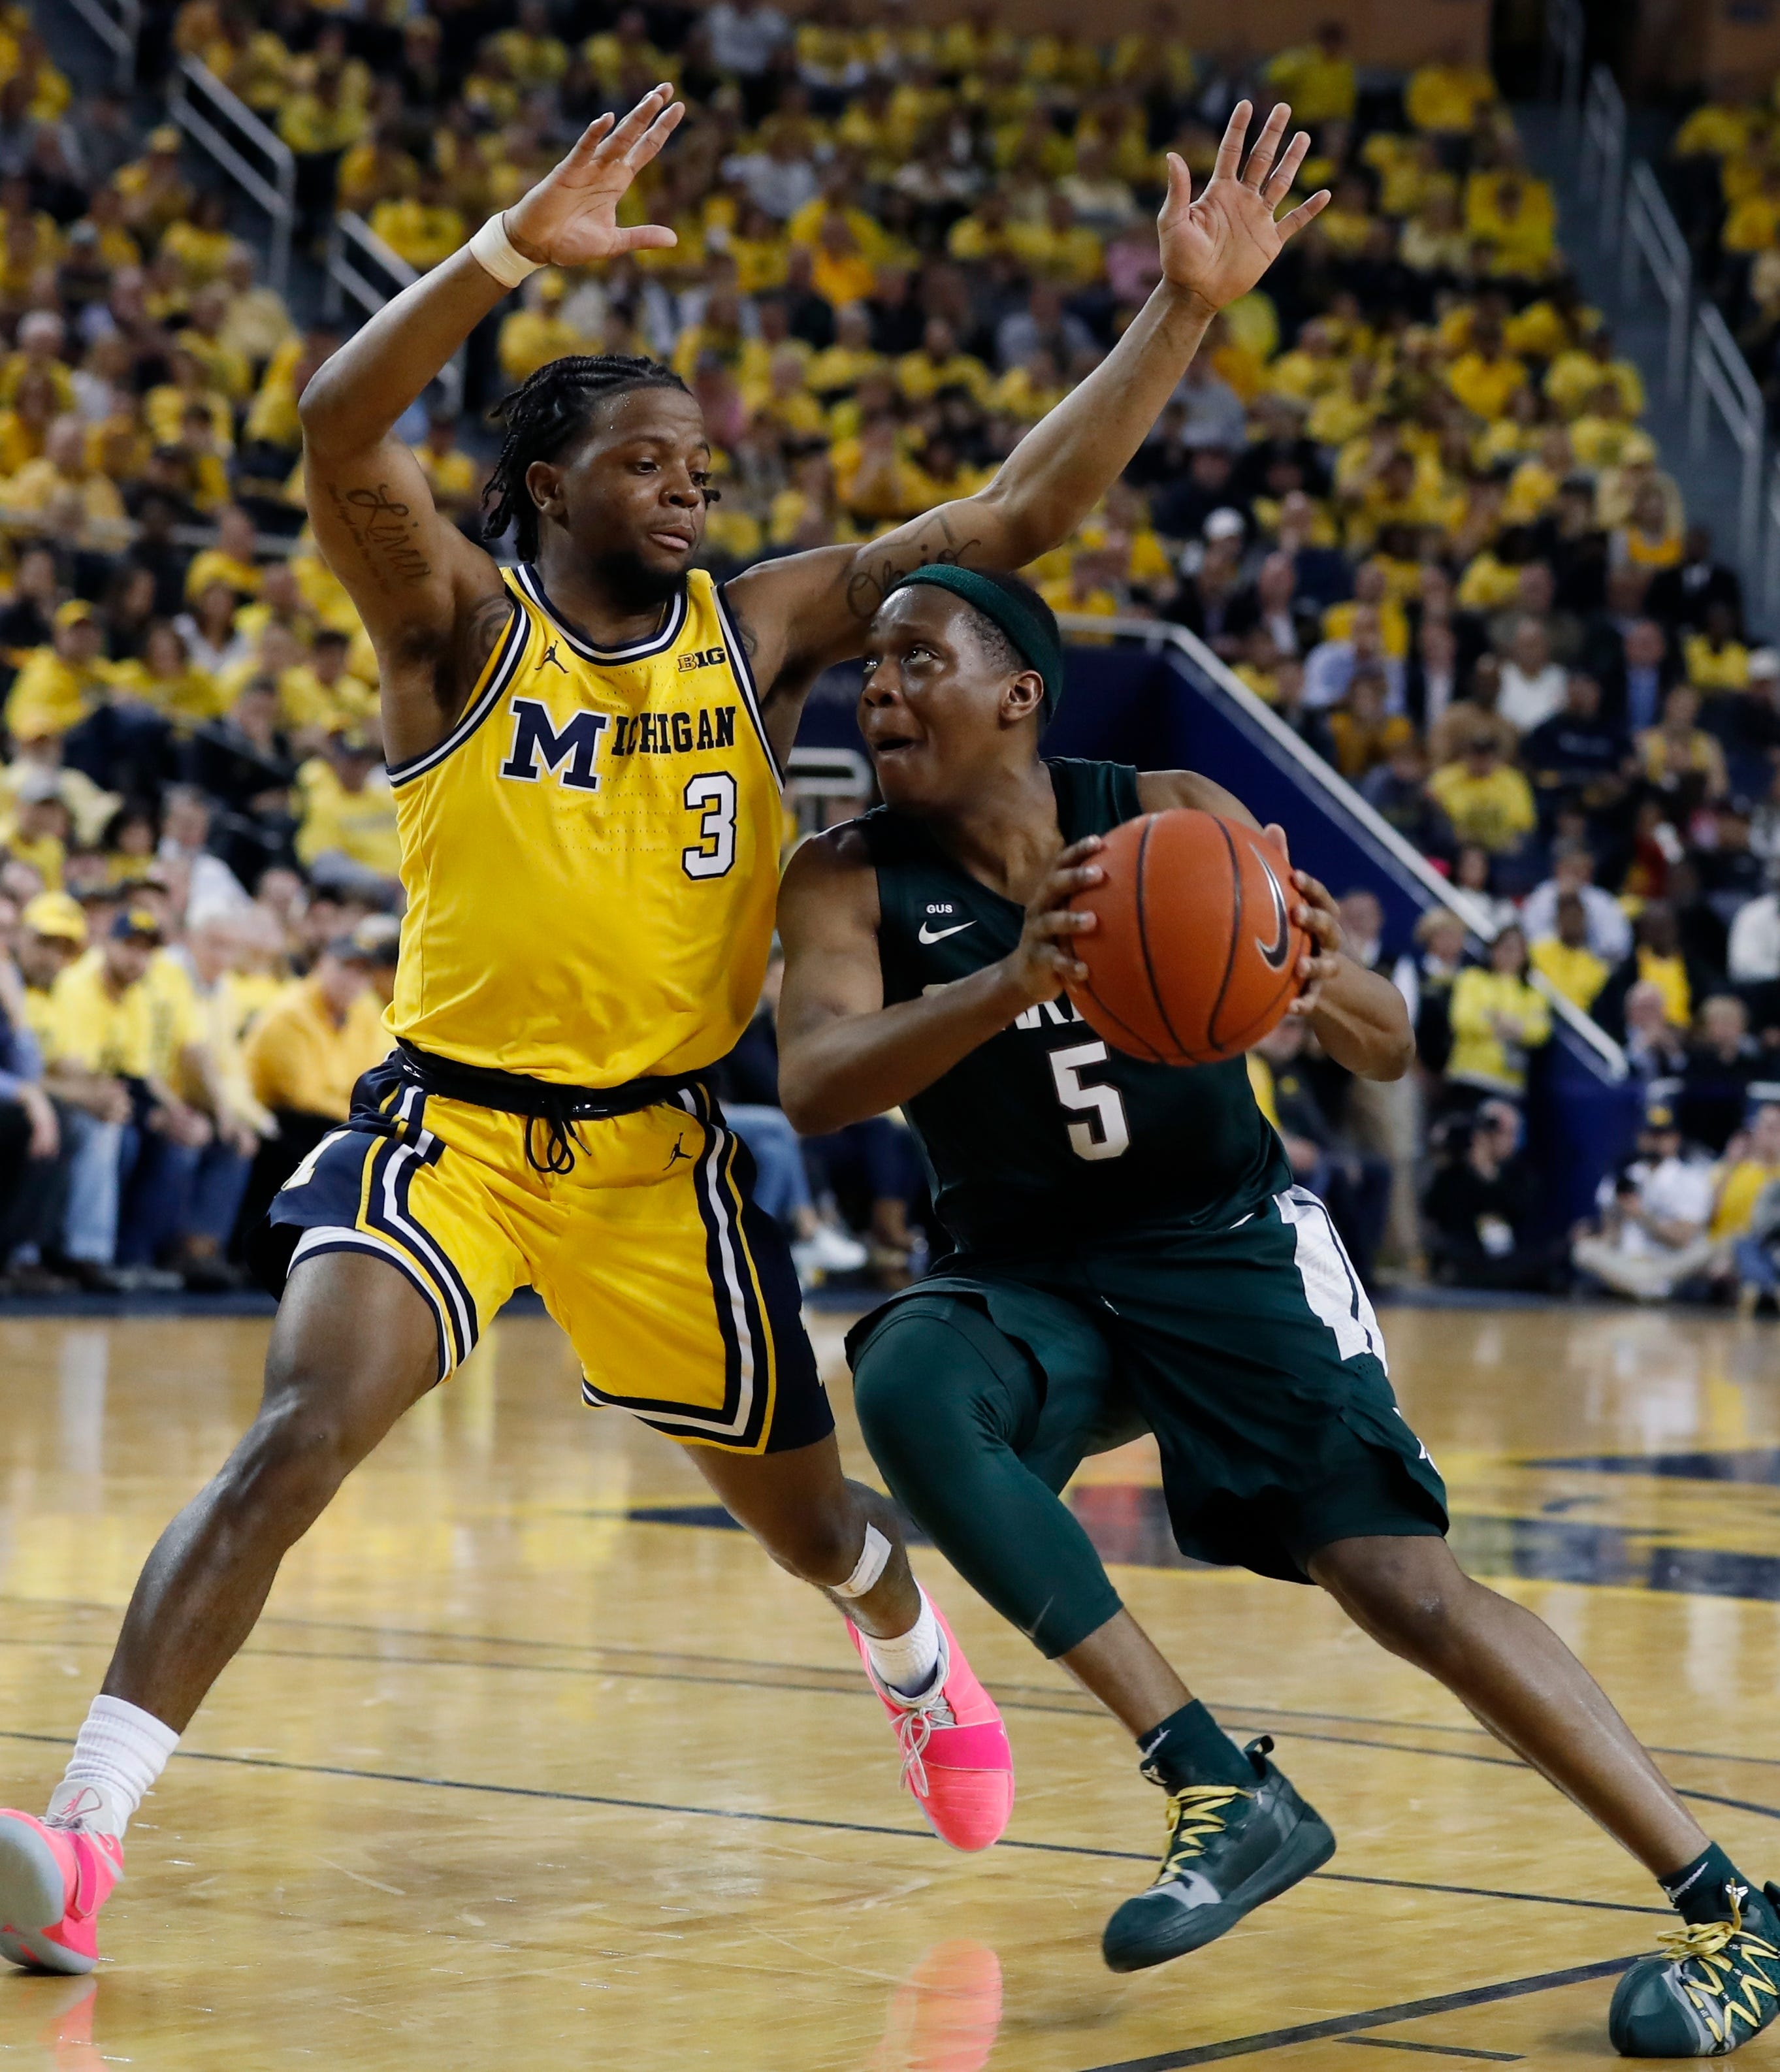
point(939, 935)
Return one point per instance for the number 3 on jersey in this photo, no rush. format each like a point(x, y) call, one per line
point(1108, 1134)
point(712, 797)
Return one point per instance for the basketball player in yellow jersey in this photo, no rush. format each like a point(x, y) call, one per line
point(584, 752)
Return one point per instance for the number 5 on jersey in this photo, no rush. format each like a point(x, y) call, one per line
point(712, 797)
point(1108, 1134)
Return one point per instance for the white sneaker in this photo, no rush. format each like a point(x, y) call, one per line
point(834, 1251)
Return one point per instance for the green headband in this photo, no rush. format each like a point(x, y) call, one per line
point(1037, 646)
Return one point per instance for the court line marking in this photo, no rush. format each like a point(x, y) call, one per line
point(846, 1681)
point(1343, 2025)
point(809, 1820)
point(1433, 2049)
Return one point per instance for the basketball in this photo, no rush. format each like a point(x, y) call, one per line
point(1193, 956)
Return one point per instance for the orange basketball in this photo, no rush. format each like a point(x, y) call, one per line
point(1193, 956)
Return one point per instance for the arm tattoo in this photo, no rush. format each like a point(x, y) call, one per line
point(385, 533)
point(871, 583)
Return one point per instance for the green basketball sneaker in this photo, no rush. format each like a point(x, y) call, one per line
point(1711, 1987)
point(1229, 1850)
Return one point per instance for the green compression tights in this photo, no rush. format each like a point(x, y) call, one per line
point(975, 1446)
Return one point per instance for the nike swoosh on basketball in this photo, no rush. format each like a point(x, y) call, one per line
point(939, 935)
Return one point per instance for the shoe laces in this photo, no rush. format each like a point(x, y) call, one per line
point(1721, 1966)
point(1194, 1815)
point(915, 1720)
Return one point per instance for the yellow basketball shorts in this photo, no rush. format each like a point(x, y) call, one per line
point(676, 1291)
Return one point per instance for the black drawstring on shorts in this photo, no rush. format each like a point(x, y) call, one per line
point(560, 1109)
point(561, 1140)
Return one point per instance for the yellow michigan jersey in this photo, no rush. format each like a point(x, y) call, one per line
point(590, 855)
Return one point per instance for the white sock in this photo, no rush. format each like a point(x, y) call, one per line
point(120, 1751)
point(907, 1663)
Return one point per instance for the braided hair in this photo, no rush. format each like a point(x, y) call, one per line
point(546, 411)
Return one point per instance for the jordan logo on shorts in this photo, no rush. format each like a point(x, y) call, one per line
point(677, 1154)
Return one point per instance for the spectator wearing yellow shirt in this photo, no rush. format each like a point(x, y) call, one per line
point(1059, 247)
point(166, 678)
point(307, 1051)
point(1752, 223)
point(533, 57)
point(1362, 733)
point(1576, 376)
point(537, 332)
point(1497, 1018)
point(1678, 757)
point(1485, 377)
point(155, 192)
point(1715, 129)
point(43, 339)
point(232, 560)
point(1317, 78)
point(454, 477)
point(272, 420)
point(64, 483)
point(346, 838)
point(165, 405)
point(41, 827)
point(1752, 1163)
point(377, 168)
point(423, 227)
point(1488, 802)
point(59, 685)
point(1716, 658)
point(1310, 368)
point(939, 364)
point(1566, 961)
point(987, 232)
point(1446, 97)
point(201, 242)
point(1603, 438)
point(838, 369)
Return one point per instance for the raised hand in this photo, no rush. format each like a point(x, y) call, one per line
point(570, 217)
point(1218, 247)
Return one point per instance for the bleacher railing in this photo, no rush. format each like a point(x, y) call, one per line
point(1601, 166)
point(1154, 634)
point(118, 26)
point(1653, 240)
point(1566, 33)
point(1770, 560)
point(1721, 377)
point(363, 270)
point(225, 126)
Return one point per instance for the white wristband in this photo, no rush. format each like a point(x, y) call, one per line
point(496, 253)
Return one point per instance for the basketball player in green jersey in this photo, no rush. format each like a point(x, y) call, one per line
point(1131, 1250)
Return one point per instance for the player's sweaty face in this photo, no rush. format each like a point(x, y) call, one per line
point(633, 489)
point(930, 706)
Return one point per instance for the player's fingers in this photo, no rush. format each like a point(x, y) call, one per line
point(1280, 186)
point(1077, 850)
point(645, 238)
point(1061, 921)
point(1306, 212)
point(1179, 180)
point(1276, 835)
point(631, 126)
point(1235, 135)
point(657, 134)
point(1261, 159)
point(590, 140)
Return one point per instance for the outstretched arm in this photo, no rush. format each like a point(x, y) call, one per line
point(803, 612)
point(431, 601)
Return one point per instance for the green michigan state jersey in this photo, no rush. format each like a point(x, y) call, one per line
point(1043, 1133)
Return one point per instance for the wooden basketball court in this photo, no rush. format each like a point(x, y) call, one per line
point(533, 1764)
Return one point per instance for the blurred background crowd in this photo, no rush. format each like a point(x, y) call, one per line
point(1408, 494)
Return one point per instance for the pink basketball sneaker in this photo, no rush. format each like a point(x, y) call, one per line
point(955, 1758)
point(53, 1881)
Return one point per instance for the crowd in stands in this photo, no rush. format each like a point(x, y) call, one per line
point(1406, 493)
point(1722, 175)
